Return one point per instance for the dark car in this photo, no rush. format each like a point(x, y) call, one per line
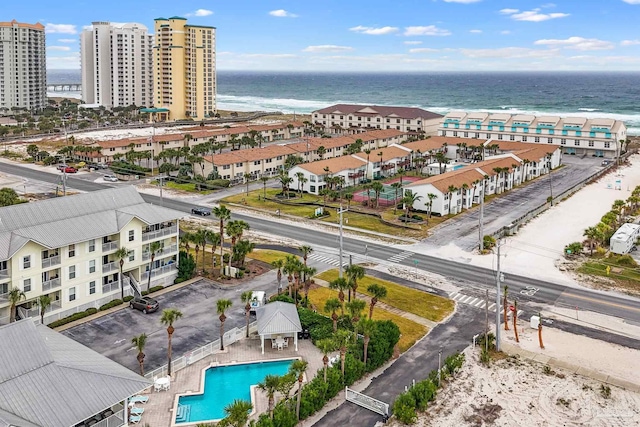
point(201, 211)
point(144, 304)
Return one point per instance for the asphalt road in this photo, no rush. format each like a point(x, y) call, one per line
point(463, 229)
point(543, 291)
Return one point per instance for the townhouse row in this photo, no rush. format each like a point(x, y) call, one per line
point(65, 248)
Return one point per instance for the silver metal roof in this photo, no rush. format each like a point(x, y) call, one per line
point(49, 380)
point(277, 318)
point(66, 220)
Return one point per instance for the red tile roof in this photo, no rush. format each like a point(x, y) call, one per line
point(384, 111)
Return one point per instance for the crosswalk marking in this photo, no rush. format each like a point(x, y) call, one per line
point(400, 257)
point(477, 302)
point(327, 260)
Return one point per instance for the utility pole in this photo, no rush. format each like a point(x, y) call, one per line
point(160, 177)
point(550, 181)
point(481, 228)
point(64, 175)
point(499, 278)
point(340, 213)
point(486, 314)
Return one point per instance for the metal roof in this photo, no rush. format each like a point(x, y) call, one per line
point(58, 222)
point(49, 380)
point(277, 318)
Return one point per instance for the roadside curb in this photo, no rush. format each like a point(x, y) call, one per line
point(123, 305)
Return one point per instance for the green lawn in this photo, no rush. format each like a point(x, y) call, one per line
point(410, 331)
point(411, 300)
point(627, 277)
point(267, 255)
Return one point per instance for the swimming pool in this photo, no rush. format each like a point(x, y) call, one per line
point(456, 167)
point(222, 385)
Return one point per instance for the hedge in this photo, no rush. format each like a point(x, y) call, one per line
point(76, 316)
point(110, 304)
point(128, 298)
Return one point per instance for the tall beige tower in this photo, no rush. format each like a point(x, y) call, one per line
point(184, 69)
point(23, 66)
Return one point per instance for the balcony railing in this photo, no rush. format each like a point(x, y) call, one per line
point(404, 163)
point(388, 166)
point(51, 261)
point(50, 284)
point(109, 246)
point(166, 250)
point(152, 235)
point(111, 287)
point(108, 268)
point(4, 273)
point(160, 271)
point(356, 174)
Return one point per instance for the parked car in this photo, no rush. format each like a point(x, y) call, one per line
point(110, 178)
point(201, 211)
point(102, 166)
point(144, 304)
point(70, 169)
point(62, 166)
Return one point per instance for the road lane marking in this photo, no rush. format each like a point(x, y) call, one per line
point(612, 304)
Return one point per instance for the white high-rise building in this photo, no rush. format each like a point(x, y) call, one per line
point(117, 65)
point(23, 73)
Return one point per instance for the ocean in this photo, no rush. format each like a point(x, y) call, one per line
point(590, 94)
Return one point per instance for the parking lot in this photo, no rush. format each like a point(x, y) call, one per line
point(111, 334)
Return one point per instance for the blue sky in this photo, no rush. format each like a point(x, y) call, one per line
point(373, 35)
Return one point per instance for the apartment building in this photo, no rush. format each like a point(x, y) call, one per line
point(352, 169)
point(117, 64)
point(184, 69)
point(597, 137)
point(386, 161)
point(23, 73)
point(64, 248)
point(350, 118)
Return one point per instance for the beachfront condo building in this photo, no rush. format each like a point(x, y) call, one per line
point(23, 62)
point(350, 118)
point(184, 66)
point(597, 137)
point(116, 61)
point(67, 248)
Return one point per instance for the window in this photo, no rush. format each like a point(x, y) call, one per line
point(26, 285)
point(536, 139)
point(549, 140)
point(312, 188)
point(72, 272)
point(500, 137)
point(92, 287)
point(488, 136)
point(92, 266)
point(72, 251)
point(466, 134)
point(132, 235)
point(576, 142)
point(26, 262)
point(591, 144)
point(563, 141)
point(72, 294)
point(524, 139)
point(312, 178)
point(512, 137)
point(607, 145)
point(132, 255)
point(92, 245)
point(477, 135)
point(455, 133)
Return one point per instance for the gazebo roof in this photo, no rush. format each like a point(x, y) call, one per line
point(278, 318)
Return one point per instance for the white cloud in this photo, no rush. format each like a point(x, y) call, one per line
point(281, 13)
point(533, 15)
point(327, 48)
point(268, 55)
point(475, 31)
point(576, 43)
point(629, 42)
point(410, 42)
point(71, 61)
point(509, 53)
point(423, 50)
point(59, 48)
point(548, 5)
point(60, 28)
point(67, 40)
point(632, 1)
point(203, 12)
point(505, 32)
point(429, 30)
point(462, 1)
point(373, 31)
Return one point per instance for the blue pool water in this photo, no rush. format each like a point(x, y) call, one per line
point(456, 167)
point(224, 384)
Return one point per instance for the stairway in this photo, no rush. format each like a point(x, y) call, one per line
point(183, 413)
point(134, 285)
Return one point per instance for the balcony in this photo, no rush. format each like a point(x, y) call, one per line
point(4, 273)
point(153, 235)
point(109, 267)
point(109, 246)
point(146, 256)
point(160, 271)
point(51, 261)
point(388, 166)
point(404, 163)
point(47, 285)
point(111, 287)
point(355, 175)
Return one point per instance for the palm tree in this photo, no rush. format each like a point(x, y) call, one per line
point(223, 214)
point(408, 200)
point(377, 188)
point(451, 190)
point(15, 295)
point(299, 177)
point(321, 151)
point(278, 263)
point(368, 328)
point(355, 307)
point(246, 297)
point(185, 240)
point(504, 307)
point(264, 180)
point(213, 238)
point(331, 305)
point(354, 273)
point(540, 331)
point(349, 197)
point(326, 346)
point(154, 248)
point(235, 229)
point(121, 254)
point(222, 305)
point(237, 413)
point(291, 265)
point(247, 179)
point(429, 204)
point(44, 302)
point(139, 342)
point(168, 318)
point(396, 186)
point(341, 285)
point(270, 385)
point(343, 338)
point(200, 239)
point(308, 274)
point(298, 368)
point(515, 319)
point(377, 292)
point(305, 250)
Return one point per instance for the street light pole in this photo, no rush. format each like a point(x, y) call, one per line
point(340, 214)
point(499, 278)
point(439, 364)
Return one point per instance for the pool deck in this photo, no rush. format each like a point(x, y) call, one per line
point(159, 409)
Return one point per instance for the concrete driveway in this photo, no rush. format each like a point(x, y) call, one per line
point(501, 211)
point(111, 335)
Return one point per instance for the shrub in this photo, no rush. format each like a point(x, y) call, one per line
point(625, 260)
point(186, 265)
point(91, 310)
point(128, 298)
point(68, 319)
point(179, 280)
point(126, 168)
point(110, 304)
point(353, 369)
point(156, 288)
point(488, 242)
point(382, 342)
point(574, 248)
point(145, 293)
point(217, 183)
point(492, 341)
point(417, 217)
point(404, 408)
point(423, 393)
point(282, 297)
point(319, 326)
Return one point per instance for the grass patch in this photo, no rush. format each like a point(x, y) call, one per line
point(188, 187)
point(267, 255)
point(410, 331)
point(252, 200)
point(371, 223)
point(624, 276)
point(423, 304)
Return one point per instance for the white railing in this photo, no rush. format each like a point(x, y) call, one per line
point(50, 284)
point(108, 268)
point(51, 261)
point(200, 353)
point(4, 273)
point(160, 271)
point(95, 304)
point(166, 250)
point(109, 246)
point(365, 401)
point(115, 420)
point(134, 284)
point(110, 287)
point(152, 235)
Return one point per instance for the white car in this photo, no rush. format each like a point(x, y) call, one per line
point(111, 178)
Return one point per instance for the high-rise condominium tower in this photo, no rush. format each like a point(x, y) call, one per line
point(184, 66)
point(23, 72)
point(117, 65)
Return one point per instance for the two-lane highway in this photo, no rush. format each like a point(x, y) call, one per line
point(545, 292)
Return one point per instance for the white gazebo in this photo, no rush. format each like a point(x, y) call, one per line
point(278, 321)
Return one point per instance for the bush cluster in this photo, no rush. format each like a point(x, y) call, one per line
point(110, 304)
point(128, 298)
point(83, 314)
